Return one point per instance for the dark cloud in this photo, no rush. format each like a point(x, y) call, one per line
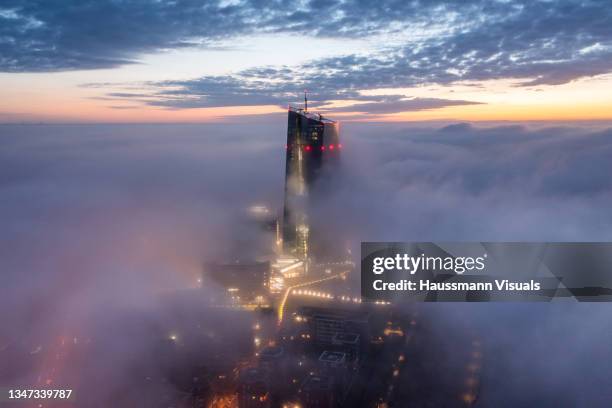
point(537, 42)
point(59, 35)
point(444, 42)
point(395, 105)
point(548, 42)
point(65, 35)
point(232, 91)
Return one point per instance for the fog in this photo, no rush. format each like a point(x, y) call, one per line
point(99, 220)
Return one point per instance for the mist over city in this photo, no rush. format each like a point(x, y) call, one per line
point(106, 231)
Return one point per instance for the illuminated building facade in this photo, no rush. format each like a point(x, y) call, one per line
point(313, 148)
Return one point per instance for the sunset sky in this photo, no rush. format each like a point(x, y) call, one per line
point(206, 61)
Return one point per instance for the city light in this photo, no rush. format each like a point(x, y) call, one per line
point(281, 306)
point(330, 296)
point(224, 401)
point(259, 210)
point(390, 332)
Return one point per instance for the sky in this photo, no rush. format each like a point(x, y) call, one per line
point(386, 61)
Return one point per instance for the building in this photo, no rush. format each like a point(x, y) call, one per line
point(333, 359)
point(313, 148)
point(349, 343)
point(317, 391)
point(326, 324)
point(253, 389)
point(335, 365)
point(283, 271)
point(244, 281)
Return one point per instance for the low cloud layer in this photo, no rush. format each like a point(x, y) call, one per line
point(466, 183)
point(101, 219)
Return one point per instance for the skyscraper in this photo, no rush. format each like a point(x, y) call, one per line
point(313, 150)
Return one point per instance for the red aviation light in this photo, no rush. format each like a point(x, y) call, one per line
point(331, 147)
point(307, 148)
point(322, 148)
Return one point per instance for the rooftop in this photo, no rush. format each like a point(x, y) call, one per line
point(311, 115)
point(335, 357)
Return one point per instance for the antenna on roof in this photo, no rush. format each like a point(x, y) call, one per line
point(305, 101)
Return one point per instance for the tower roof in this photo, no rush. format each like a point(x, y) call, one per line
point(311, 115)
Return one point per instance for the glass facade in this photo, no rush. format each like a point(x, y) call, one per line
point(313, 149)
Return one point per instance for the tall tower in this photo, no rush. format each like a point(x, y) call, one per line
point(313, 149)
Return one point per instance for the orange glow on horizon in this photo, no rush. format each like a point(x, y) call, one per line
point(497, 100)
point(478, 113)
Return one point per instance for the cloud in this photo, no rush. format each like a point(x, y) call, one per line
point(437, 42)
point(231, 91)
point(395, 105)
point(96, 219)
point(47, 36)
point(533, 43)
point(441, 42)
point(43, 36)
point(468, 183)
point(98, 224)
